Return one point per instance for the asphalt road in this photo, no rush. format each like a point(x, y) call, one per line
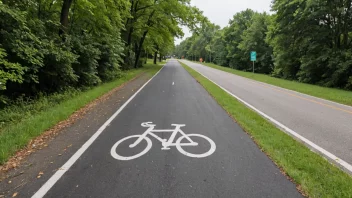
point(325, 123)
point(236, 168)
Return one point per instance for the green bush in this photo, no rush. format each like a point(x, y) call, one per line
point(86, 66)
point(35, 59)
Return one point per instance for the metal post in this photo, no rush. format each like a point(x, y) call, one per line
point(253, 66)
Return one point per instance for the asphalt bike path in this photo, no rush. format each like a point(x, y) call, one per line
point(172, 140)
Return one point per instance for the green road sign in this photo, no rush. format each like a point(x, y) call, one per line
point(253, 56)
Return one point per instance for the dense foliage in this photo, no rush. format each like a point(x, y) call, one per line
point(47, 46)
point(305, 40)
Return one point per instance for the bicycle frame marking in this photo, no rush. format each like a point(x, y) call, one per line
point(166, 143)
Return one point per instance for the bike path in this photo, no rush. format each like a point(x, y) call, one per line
point(237, 168)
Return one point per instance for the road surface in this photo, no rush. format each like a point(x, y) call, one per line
point(232, 167)
point(325, 123)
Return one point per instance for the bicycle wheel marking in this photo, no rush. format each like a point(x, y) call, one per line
point(211, 150)
point(166, 143)
point(119, 157)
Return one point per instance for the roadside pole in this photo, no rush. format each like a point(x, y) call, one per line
point(253, 56)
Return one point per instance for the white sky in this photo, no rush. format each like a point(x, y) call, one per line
point(221, 11)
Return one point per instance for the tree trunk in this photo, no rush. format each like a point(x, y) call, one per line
point(129, 32)
point(39, 9)
point(129, 40)
point(346, 23)
point(138, 53)
point(155, 56)
point(139, 48)
point(65, 10)
point(129, 37)
point(160, 58)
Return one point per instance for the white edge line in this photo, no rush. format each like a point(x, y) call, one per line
point(61, 171)
point(299, 93)
point(326, 153)
point(289, 90)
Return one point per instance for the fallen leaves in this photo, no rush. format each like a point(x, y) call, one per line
point(40, 175)
point(68, 146)
point(42, 140)
point(15, 194)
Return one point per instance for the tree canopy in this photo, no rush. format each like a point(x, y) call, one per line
point(304, 40)
point(48, 46)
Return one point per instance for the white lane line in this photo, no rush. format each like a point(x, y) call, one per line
point(173, 83)
point(324, 152)
point(61, 171)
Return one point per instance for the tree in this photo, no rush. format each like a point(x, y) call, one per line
point(254, 39)
point(311, 41)
point(219, 48)
point(155, 18)
point(64, 15)
point(34, 58)
point(47, 46)
point(240, 22)
point(305, 40)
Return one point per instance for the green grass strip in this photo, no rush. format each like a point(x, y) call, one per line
point(17, 135)
point(315, 175)
point(336, 95)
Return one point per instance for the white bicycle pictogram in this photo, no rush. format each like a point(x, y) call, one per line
point(166, 143)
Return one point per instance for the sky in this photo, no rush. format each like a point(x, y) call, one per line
point(221, 11)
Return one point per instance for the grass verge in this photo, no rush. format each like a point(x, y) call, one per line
point(20, 131)
point(315, 176)
point(336, 95)
point(151, 61)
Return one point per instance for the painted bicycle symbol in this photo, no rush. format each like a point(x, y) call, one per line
point(166, 143)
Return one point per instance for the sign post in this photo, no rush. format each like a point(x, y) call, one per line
point(253, 58)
